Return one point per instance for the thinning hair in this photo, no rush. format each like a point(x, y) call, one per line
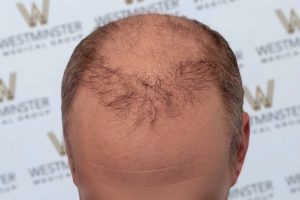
point(149, 96)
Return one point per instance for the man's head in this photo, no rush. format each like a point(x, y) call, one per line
point(152, 108)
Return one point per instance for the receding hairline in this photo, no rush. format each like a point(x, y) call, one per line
point(83, 54)
point(179, 25)
point(150, 96)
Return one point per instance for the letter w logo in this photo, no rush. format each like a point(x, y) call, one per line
point(291, 24)
point(59, 146)
point(260, 98)
point(36, 15)
point(8, 92)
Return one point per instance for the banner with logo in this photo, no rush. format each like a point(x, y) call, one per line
point(37, 38)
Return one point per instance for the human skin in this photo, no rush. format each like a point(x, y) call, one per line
point(183, 158)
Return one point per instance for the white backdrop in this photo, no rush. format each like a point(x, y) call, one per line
point(38, 36)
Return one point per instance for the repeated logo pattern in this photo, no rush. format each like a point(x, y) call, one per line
point(38, 36)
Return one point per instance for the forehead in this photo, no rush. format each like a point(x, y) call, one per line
point(191, 145)
point(192, 189)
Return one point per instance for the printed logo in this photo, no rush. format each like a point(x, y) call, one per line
point(261, 98)
point(36, 14)
point(13, 110)
point(268, 120)
point(208, 4)
point(38, 39)
point(291, 23)
point(282, 48)
point(293, 183)
point(8, 182)
point(263, 190)
point(59, 146)
point(8, 90)
point(50, 172)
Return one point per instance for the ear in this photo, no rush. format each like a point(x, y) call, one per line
point(71, 162)
point(242, 149)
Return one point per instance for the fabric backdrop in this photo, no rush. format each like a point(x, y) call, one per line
point(37, 38)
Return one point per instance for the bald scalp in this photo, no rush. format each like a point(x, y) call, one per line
point(147, 67)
